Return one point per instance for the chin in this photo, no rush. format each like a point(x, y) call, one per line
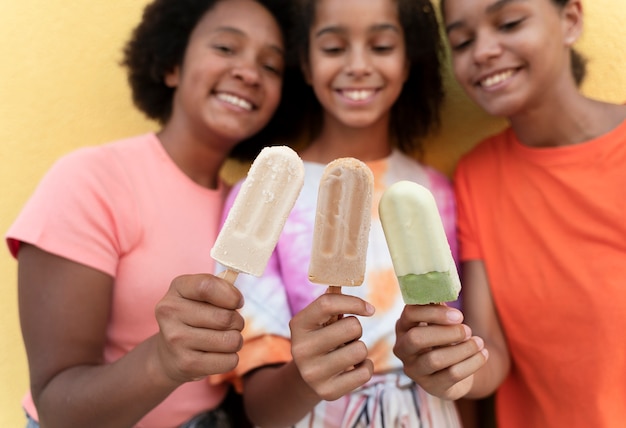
point(499, 107)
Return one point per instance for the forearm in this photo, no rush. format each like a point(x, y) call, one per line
point(489, 377)
point(112, 395)
point(278, 396)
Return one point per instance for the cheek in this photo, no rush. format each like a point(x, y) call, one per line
point(460, 68)
point(273, 95)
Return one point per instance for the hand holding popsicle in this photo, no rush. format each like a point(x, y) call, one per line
point(430, 339)
point(437, 351)
point(342, 224)
point(253, 225)
point(330, 358)
point(199, 327)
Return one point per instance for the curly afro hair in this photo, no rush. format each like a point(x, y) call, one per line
point(157, 46)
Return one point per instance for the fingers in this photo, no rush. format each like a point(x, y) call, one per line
point(448, 372)
point(209, 289)
point(437, 350)
point(330, 358)
point(428, 314)
point(345, 382)
point(423, 338)
point(199, 327)
point(202, 301)
point(328, 306)
point(333, 374)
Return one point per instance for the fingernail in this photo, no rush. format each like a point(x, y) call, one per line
point(369, 308)
point(454, 316)
point(468, 332)
point(479, 342)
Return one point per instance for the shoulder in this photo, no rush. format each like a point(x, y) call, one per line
point(104, 159)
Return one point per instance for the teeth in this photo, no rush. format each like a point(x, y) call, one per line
point(496, 78)
point(358, 95)
point(236, 101)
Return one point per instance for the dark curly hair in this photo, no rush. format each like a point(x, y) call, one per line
point(157, 46)
point(416, 112)
point(578, 61)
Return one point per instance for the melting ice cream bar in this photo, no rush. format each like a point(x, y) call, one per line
point(342, 224)
point(257, 217)
point(418, 245)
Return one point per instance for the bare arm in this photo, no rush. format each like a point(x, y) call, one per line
point(64, 310)
point(328, 362)
point(481, 316)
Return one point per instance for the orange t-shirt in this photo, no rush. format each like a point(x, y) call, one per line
point(550, 226)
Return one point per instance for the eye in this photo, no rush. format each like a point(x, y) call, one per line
point(510, 25)
point(460, 44)
point(273, 69)
point(223, 48)
point(382, 48)
point(332, 50)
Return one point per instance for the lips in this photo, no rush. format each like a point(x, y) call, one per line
point(235, 101)
point(496, 78)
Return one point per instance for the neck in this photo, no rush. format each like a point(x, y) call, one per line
point(566, 120)
point(197, 156)
point(337, 141)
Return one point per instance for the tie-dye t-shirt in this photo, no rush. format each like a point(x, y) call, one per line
point(284, 289)
point(390, 398)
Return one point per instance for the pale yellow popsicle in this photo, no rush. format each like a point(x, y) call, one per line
point(257, 217)
point(418, 245)
point(342, 224)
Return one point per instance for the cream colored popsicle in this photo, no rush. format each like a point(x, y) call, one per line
point(418, 245)
point(342, 224)
point(253, 225)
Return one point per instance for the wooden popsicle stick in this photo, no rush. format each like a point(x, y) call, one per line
point(229, 275)
point(333, 289)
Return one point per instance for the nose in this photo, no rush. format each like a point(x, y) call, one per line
point(486, 47)
point(247, 72)
point(358, 62)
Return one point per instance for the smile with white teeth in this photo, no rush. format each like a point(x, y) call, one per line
point(358, 94)
point(495, 79)
point(236, 101)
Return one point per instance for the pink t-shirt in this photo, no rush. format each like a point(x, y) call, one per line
point(127, 210)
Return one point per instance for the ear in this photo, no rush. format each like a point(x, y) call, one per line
point(172, 78)
point(572, 17)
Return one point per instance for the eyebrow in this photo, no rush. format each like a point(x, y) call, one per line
point(341, 30)
point(492, 8)
point(238, 32)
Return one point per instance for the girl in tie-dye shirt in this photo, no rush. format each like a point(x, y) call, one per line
point(374, 69)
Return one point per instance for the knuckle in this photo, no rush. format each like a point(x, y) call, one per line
point(433, 361)
point(229, 362)
point(415, 337)
point(310, 374)
point(353, 327)
point(164, 309)
point(455, 374)
point(232, 340)
point(325, 303)
point(358, 351)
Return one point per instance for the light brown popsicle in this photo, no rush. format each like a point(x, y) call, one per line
point(342, 224)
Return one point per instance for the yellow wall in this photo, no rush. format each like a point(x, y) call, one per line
point(61, 88)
